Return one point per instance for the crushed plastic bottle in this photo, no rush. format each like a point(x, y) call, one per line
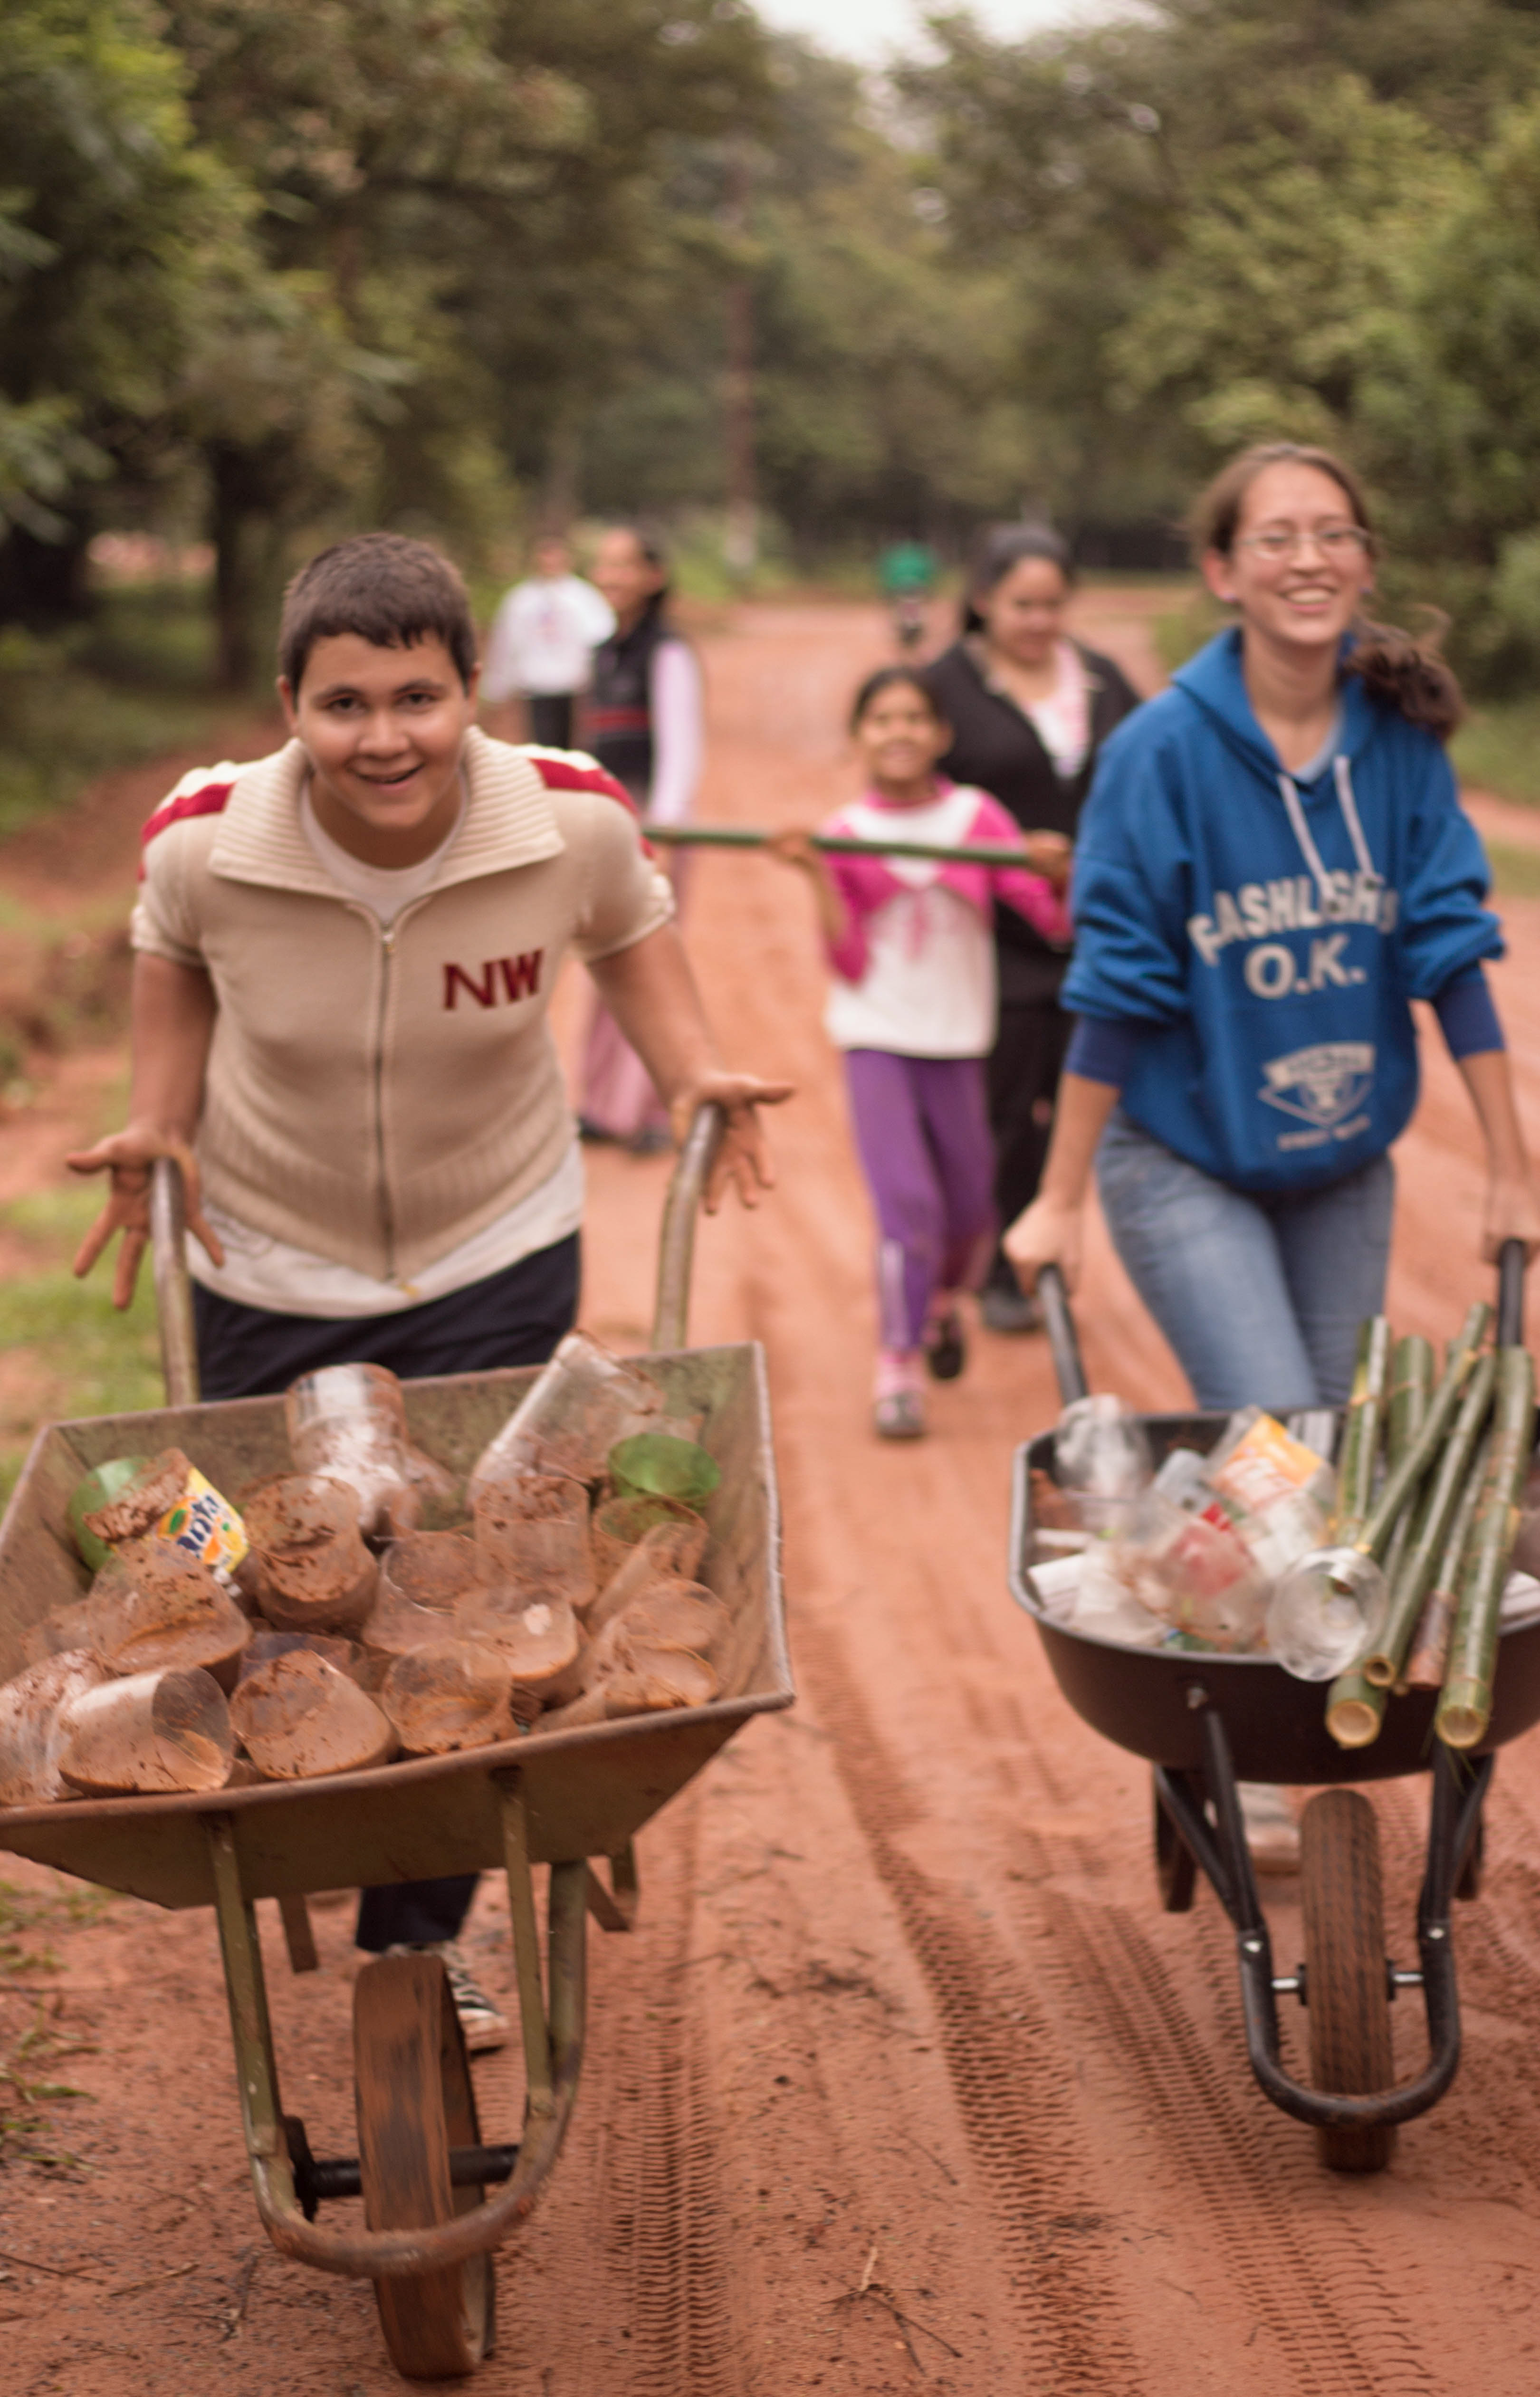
point(1101, 1453)
point(1325, 1611)
point(1278, 1493)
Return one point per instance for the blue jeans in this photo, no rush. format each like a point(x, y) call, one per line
point(1261, 1297)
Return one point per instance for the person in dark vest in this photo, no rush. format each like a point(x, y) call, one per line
point(1029, 710)
point(645, 726)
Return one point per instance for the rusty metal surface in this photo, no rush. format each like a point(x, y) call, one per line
point(588, 1790)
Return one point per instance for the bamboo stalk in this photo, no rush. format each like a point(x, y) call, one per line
point(1430, 1651)
point(1383, 1665)
point(1361, 1435)
point(1404, 1477)
point(1412, 1378)
point(1464, 1709)
point(980, 853)
point(1355, 1708)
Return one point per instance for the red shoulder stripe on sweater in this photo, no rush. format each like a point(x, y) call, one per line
point(209, 799)
point(561, 774)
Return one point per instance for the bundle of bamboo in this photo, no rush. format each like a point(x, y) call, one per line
point(1443, 1522)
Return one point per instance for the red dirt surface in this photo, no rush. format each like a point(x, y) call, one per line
point(905, 2083)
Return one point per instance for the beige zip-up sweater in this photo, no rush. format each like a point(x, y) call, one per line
point(375, 1096)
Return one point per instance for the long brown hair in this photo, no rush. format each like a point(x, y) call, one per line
point(1409, 675)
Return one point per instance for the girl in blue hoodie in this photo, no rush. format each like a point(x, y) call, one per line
point(1272, 865)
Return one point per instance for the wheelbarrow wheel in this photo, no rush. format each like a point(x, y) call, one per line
point(1176, 1873)
point(1346, 1984)
point(415, 2102)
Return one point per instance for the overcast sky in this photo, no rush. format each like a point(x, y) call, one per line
point(872, 30)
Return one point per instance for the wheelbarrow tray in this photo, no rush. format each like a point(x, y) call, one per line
point(586, 1791)
point(1143, 1698)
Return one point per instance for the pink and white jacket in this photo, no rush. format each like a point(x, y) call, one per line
point(914, 973)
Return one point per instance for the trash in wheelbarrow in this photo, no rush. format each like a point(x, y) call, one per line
point(429, 1640)
point(1186, 1556)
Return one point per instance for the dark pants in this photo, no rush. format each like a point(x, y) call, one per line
point(1023, 1070)
point(513, 1317)
point(550, 719)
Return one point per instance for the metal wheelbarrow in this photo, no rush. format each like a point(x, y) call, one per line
point(437, 2199)
point(1205, 1722)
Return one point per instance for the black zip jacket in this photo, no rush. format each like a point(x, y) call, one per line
point(997, 748)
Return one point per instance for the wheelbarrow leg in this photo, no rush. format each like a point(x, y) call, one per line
point(251, 2029)
point(299, 1938)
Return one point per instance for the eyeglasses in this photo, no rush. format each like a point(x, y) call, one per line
point(1337, 542)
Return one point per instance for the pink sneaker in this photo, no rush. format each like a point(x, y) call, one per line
point(898, 1405)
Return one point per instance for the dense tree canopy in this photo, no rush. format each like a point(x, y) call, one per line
point(275, 268)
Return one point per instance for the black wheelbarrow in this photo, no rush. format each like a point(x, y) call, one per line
point(1205, 1721)
point(437, 2199)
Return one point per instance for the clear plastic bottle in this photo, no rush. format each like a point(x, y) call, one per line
point(1325, 1612)
point(1101, 1453)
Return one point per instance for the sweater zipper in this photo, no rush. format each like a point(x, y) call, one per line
point(387, 945)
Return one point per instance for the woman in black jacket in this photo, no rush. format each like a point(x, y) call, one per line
point(1029, 708)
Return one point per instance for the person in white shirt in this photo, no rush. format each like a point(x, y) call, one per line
point(542, 644)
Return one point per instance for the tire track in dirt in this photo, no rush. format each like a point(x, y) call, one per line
point(659, 2219)
point(1316, 2294)
point(1009, 2076)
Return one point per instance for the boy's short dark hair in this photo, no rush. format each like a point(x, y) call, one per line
point(383, 587)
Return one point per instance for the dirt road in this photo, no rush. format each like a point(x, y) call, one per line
point(904, 2083)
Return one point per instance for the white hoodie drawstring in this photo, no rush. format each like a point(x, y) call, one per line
point(1342, 776)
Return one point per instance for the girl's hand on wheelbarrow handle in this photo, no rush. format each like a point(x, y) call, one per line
point(743, 1156)
point(127, 1157)
point(1048, 1233)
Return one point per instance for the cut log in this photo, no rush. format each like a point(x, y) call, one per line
point(349, 1422)
point(423, 1579)
point(31, 1733)
point(313, 1571)
point(155, 1608)
point(538, 1639)
point(453, 1696)
point(345, 1654)
point(166, 1731)
point(298, 1717)
point(651, 1561)
point(532, 1529)
point(620, 1523)
point(571, 1417)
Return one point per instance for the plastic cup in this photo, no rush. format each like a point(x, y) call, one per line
point(654, 1464)
point(151, 1732)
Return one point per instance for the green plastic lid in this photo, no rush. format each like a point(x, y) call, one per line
point(100, 1489)
point(655, 1465)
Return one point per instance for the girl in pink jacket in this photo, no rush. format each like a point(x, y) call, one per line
point(912, 1006)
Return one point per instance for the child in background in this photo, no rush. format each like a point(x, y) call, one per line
point(912, 1006)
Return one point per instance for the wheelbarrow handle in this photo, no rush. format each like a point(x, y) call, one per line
point(1510, 1294)
point(179, 1347)
point(677, 1248)
point(1063, 1338)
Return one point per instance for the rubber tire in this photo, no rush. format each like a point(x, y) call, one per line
point(1176, 1873)
point(415, 2102)
point(1346, 1980)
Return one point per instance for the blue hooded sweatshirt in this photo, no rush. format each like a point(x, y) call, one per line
point(1266, 935)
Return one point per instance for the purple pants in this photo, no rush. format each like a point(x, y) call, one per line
point(922, 1128)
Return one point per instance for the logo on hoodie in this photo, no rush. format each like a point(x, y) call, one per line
point(1323, 1086)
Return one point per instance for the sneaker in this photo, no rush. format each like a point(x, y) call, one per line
point(484, 2027)
point(1272, 1834)
point(898, 1408)
point(1009, 1310)
point(653, 1140)
point(946, 1348)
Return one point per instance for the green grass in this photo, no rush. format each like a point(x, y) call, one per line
point(129, 685)
point(30, 2057)
point(64, 1350)
point(1499, 750)
point(1515, 872)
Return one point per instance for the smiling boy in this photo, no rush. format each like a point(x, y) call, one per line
point(344, 955)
